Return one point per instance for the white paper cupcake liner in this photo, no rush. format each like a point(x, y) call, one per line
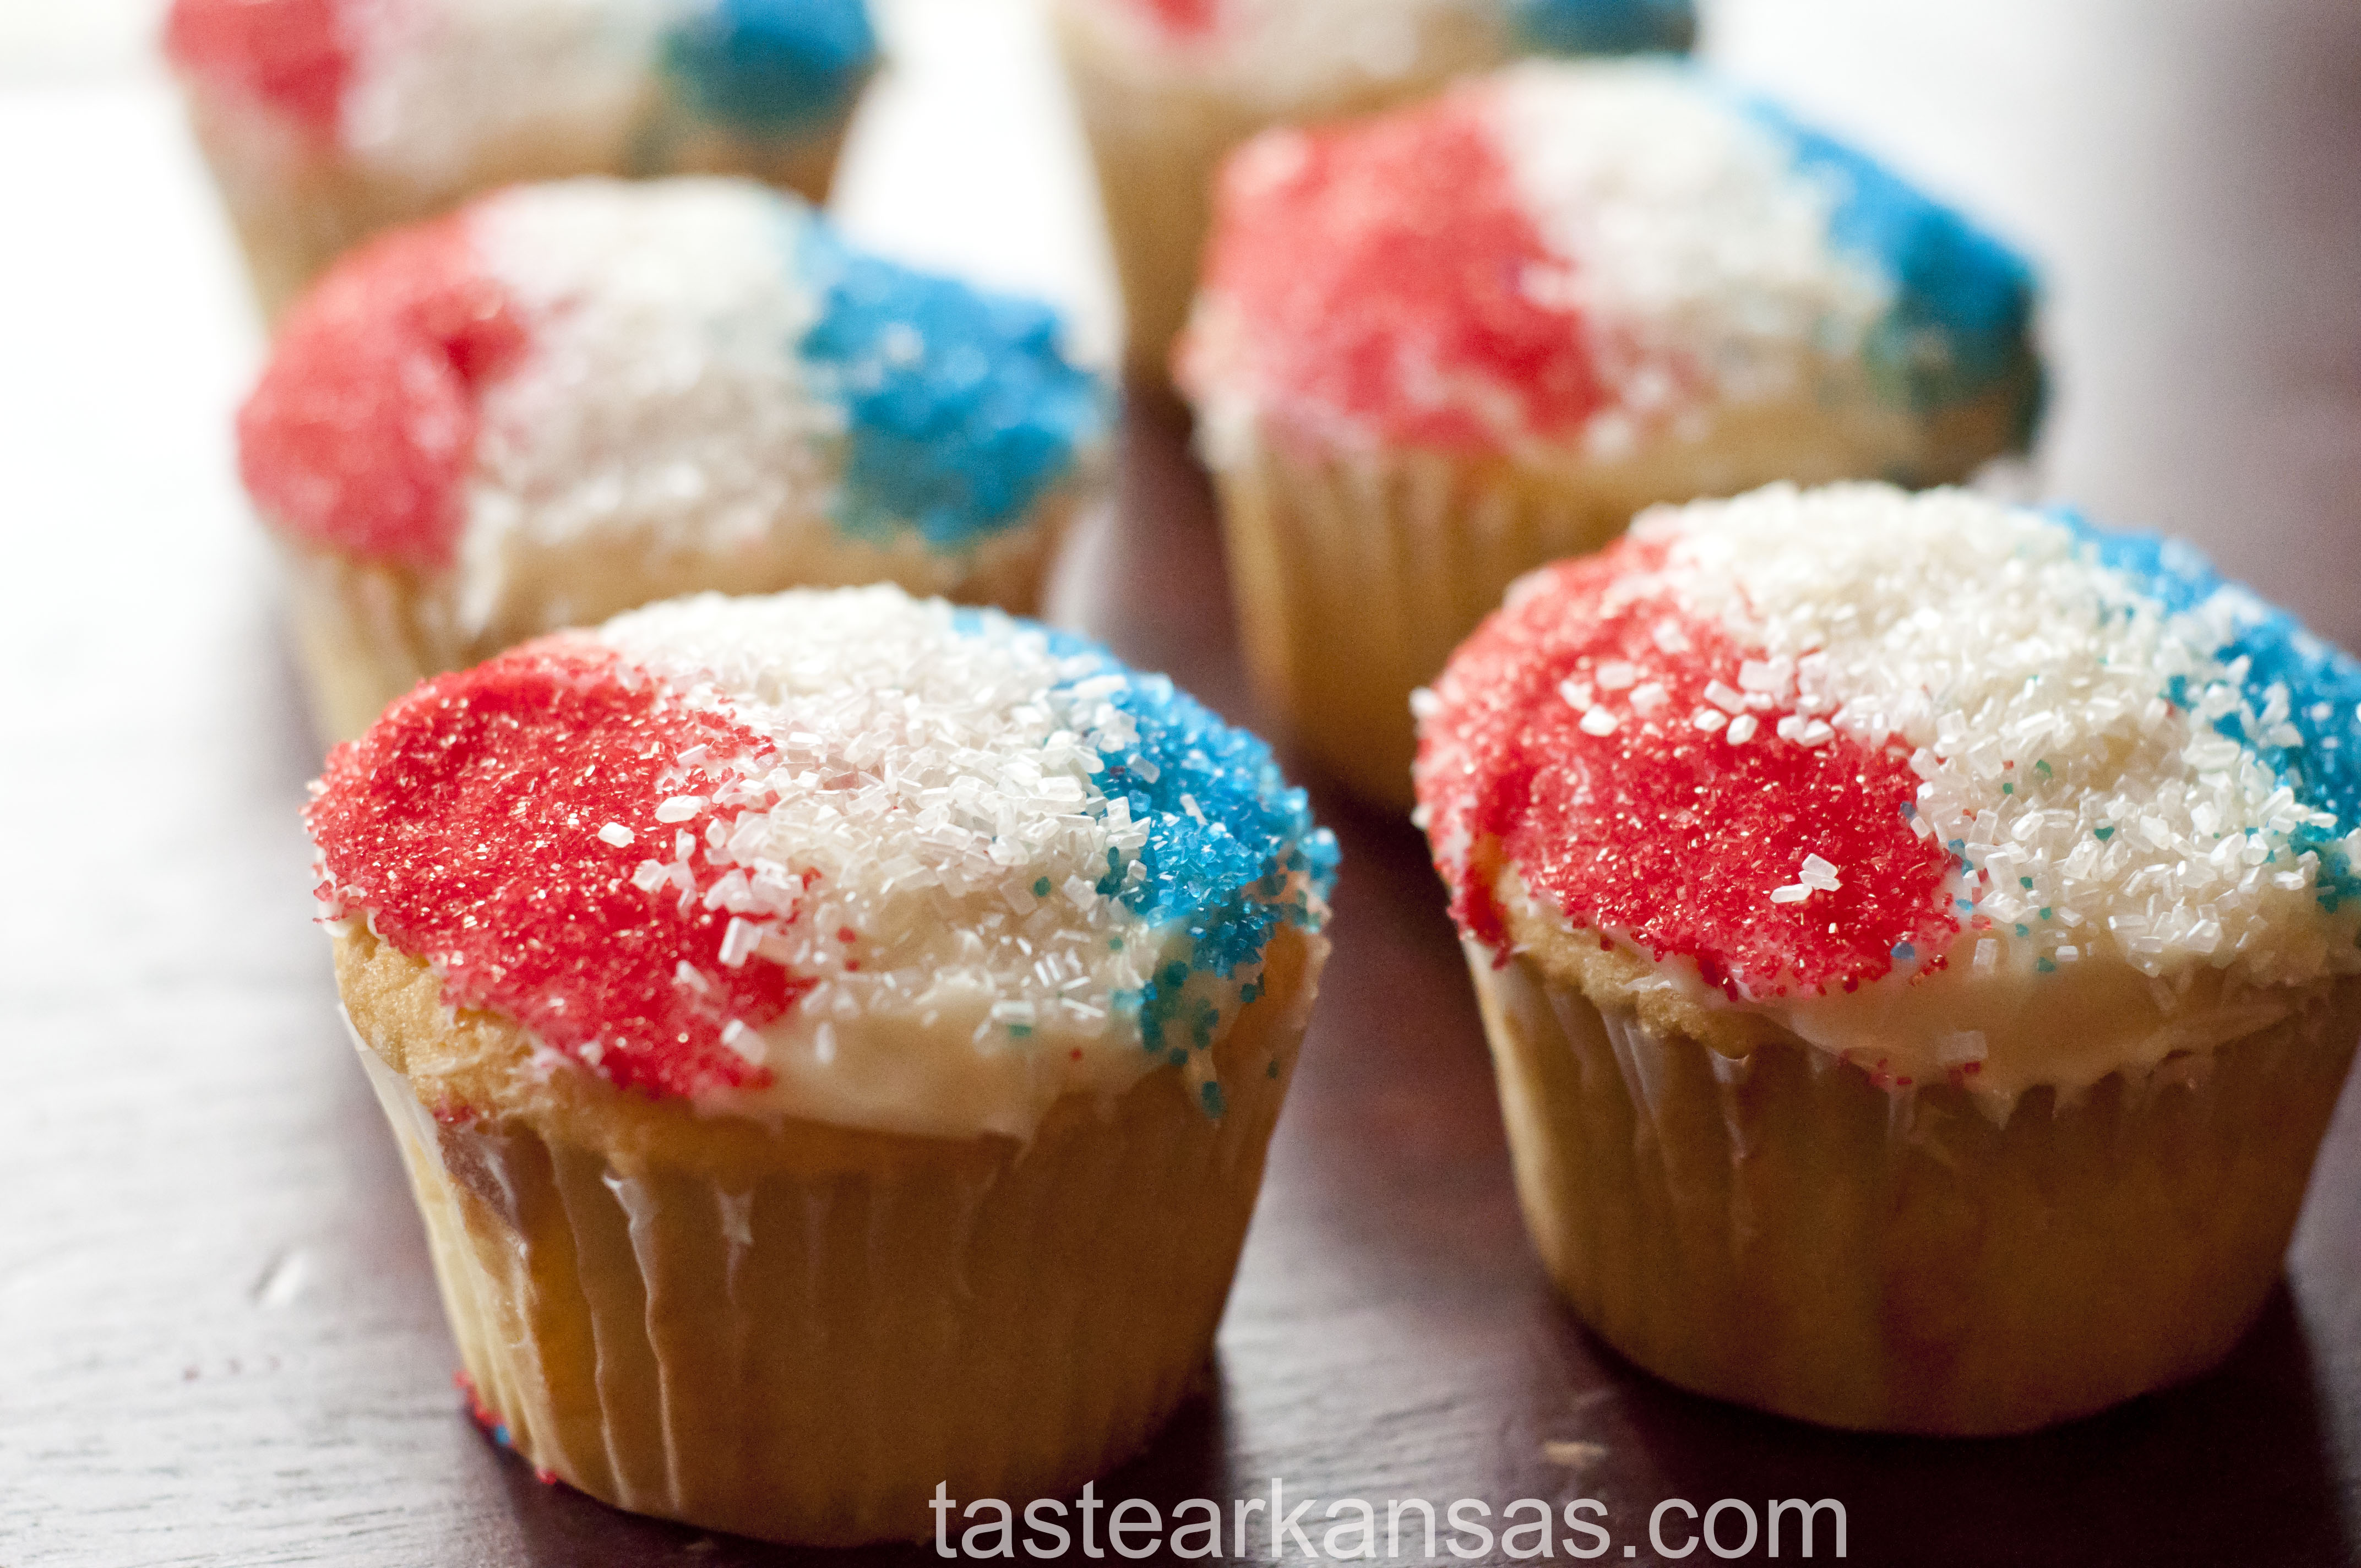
point(1777, 1230)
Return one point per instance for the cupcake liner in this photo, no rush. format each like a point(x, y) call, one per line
point(802, 1343)
point(367, 632)
point(1775, 1229)
point(294, 211)
point(1356, 576)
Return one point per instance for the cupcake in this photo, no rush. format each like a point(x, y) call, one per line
point(327, 120)
point(568, 400)
point(833, 1038)
point(1439, 348)
point(1167, 87)
point(1916, 936)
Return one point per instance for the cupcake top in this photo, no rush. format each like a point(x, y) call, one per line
point(847, 856)
point(1292, 55)
point(693, 365)
point(1967, 789)
point(1586, 257)
point(421, 88)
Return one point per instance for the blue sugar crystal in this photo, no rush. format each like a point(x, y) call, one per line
point(960, 410)
point(1604, 26)
point(766, 66)
point(1962, 318)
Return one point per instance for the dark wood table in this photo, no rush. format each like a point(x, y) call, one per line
point(219, 1343)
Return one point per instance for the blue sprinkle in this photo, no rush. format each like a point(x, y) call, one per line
point(500, 1435)
point(1962, 318)
point(1210, 1096)
point(2323, 685)
point(766, 66)
point(1604, 26)
point(1903, 953)
point(960, 410)
point(2047, 966)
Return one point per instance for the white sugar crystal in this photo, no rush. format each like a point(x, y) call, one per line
point(1741, 729)
point(680, 807)
point(618, 834)
point(1648, 700)
point(1709, 720)
point(1792, 893)
point(1598, 721)
point(1577, 693)
point(1724, 697)
point(1987, 957)
point(1616, 675)
point(1818, 873)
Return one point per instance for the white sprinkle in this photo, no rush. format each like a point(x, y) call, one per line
point(1819, 873)
point(746, 1042)
point(680, 809)
point(1616, 675)
point(1794, 893)
point(1709, 720)
point(1671, 638)
point(1576, 693)
point(1729, 698)
point(1987, 955)
point(1741, 729)
point(685, 976)
point(1598, 721)
point(1424, 704)
point(738, 942)
point(649, 876)
point(1769, 676)
point(615, 833)
point(1649, 699)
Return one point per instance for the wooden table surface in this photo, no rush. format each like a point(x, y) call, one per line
point(219, 1343)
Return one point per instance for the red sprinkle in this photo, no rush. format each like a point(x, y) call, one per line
point(1381, 267)
point(1659, 830)
point(289, 54)
point(465, 822)
point(362, 429)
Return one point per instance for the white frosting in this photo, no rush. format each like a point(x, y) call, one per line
point(1696, 256)
point(660, 400)
point(946, 775)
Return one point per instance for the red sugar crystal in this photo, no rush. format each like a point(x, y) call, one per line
point(1659, 829)
point(1386, 269)
point(467, 824)
point(362, 429)
point(287, 54)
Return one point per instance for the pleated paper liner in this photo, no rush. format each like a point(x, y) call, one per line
point(798, 1336)
point(1355, 573)
point(1773, 1229)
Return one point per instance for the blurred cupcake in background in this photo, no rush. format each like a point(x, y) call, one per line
point(327, 120)
point(1437, 349)
point(568, 400)
point(1167, 87)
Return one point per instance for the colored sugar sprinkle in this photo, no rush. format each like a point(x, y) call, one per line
point(1962, 310)
point(962, 410)
point(1958, 635)
point(364, 424)
point(1662, 832)
point(600, 360)
point(289, 55)
point(1368, 262)
point(1604, 26)
point(462, 827)
point(862, 827)
point(764, 66)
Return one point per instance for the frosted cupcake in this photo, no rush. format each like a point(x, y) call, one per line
point(1167, 87)
point(327, 120)
point(1918, 939)
point(573, 398)
point(1439, 348)
point(842, 1060)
